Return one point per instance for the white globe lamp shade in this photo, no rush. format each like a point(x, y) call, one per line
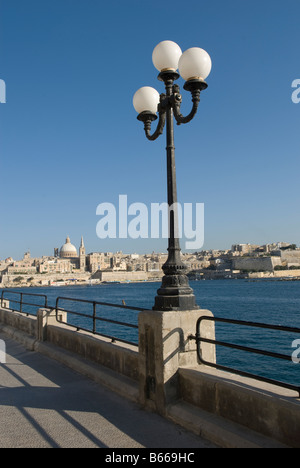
point(166, 56)
point(146, 99)
point(195, 63)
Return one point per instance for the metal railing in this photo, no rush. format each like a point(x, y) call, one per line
point(22, 302)
point(95, 318)
point(22, 299)
point(200, 339)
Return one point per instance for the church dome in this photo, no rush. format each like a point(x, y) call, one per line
point(68, 250)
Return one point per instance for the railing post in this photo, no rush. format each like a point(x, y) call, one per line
point(21, 302)
point(4, 302)
point(47, 317)
point(164, 347)
point(94, 317)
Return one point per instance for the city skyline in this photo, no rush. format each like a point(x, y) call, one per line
point(69, 265)
point(76, 246)
point(70, 139)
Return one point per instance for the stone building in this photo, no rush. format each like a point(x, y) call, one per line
point(69, 252)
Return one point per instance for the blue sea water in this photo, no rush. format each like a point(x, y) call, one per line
point(272, 302)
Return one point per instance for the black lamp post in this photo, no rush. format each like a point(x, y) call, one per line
point(194, 66)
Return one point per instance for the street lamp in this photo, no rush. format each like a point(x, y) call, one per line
point(194, 66)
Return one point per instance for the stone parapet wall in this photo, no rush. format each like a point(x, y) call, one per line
point(264, 408)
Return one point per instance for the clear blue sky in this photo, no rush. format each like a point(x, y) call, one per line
point(70, 139)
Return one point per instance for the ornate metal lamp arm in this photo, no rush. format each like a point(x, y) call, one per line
point(148, 118)
point(177, 99)
point(195, 87)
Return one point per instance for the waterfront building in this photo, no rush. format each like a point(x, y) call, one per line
point(244, 248)
point(69, 252)
point(97, 261)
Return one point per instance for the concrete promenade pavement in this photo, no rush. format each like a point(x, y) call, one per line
point(44, 404)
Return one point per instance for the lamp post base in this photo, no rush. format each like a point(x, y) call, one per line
point(175, 294)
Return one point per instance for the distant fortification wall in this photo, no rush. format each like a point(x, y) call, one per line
point(291, 256)
point(123, 276)
point(256, 264)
